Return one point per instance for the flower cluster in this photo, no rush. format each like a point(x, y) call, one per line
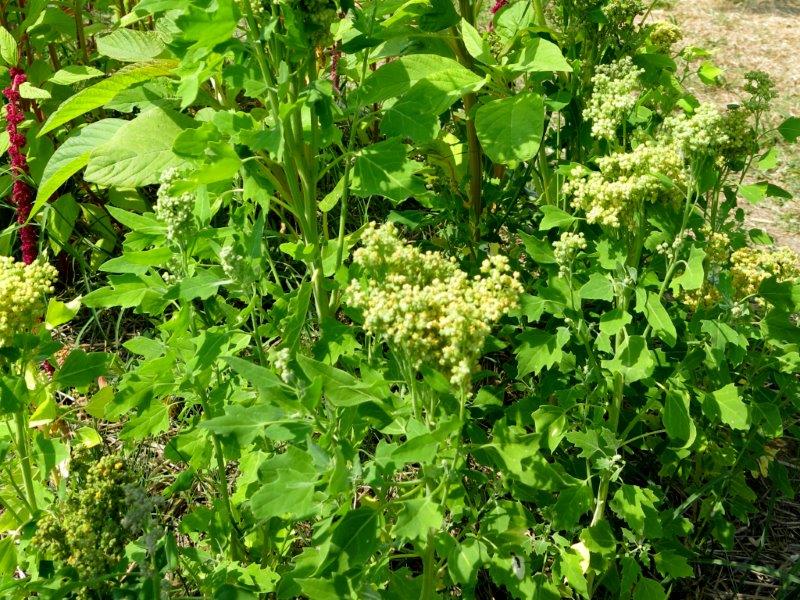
point(22, 288)
point(625, 180)
point(621, 13)
point(89, 529)
point(762, 90)
point(664, 35)
point(700, 134)
point(614, 95)
point(425, 307)
point(717, 245)
point(740, 138)
point(174, 210)
point(21, 193)
point(751, 266)
point(565, 249)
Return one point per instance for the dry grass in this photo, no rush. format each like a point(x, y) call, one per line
point(746, 35)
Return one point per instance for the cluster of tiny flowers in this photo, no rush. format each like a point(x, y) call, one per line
point(740, 137)
point(614, 95)
point(565, 249)
point(280, 362)
point(624, 181)
point(22, 288)
point(664, 35)
point(700, 133)
point(175, 211)
point(717, 245)
point(317, 17)
point(621, 13)
point(425, 307)
point(761, 88)
point(669, 250)
point(751, 266)
point(87, 530)
point(21, 193)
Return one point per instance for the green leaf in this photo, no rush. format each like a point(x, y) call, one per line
point(756, 192)
point(416, 518)
point(477, 47)
point(710, 74)
point(98, 94)
point(59, 312)
point(572, 503)
point(72, 156)
point(73, 74)
point(790, 129)
point(659, 320)
point(341, 388)
point(541, 55)
point(130, 45)
point(538, 350)
point(510, 129)
point(8, 48)
point(245, 423)
point(649, 589)
point(671, 564)
point(599, 287)
point(398, 76)
point(203, 285)
point(152, 421)
point(637, 506)
point(355, 538)
point(554, 217)
point(693, 275)
point(288, 489)
point(80, 368)
point(8, 550)
point(599, 539)
point(138, 262)
point(732, 410)
point(31, 92)
point(677, 418)
point(139, 151)
point(384, 169)
point(633, 360)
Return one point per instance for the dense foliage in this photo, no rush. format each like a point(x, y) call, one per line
point(393, 299)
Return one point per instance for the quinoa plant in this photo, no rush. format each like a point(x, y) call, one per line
point(390, 300)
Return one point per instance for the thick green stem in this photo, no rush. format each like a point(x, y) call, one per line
point(25, 459)
point(429, 570)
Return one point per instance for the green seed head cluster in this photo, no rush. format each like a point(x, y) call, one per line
point(566, 248)
point(317, 16)
point(22, 290)
point(621, 13)
point(174, 209)
point(90, 528)
point(751, 266)
point(614, 94)
point(740, 137)
point(701, 133)
point(625, 180)
point(425, 307)
point(664, 35)
point(717, 245)
point(762, 90)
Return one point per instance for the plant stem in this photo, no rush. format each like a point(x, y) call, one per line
point(25, 458)
point(429, 570)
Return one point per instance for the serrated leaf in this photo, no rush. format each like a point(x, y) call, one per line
point(510, 129)
point(288, 489)
point(790, 129)
point(693, 274)
point(599, 287)
point(98, 94)
point(59, 312)
point(341, 388)
point(416, 518)
point(732, 410)
point(538, 350)
point(633, 360)
point(80, 369)
point(139, 151)
point(72, 156)
point(130, 45)
point(384, 169)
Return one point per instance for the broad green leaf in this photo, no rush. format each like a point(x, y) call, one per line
point(416, 114)
point(384, 169)
point(572, 503)
point(80, 368)
point(98, 94)
point(151, 421)
point(649, 589)
point(693, 274)
point(637, 506)
point(710, 74)
point(756, 192)
point(356, 538)
point(510, 129)
point(677, 418)
point(599, 287)
point(397, 77)
point(599, 539)
point(31, 92)
point(138, 262)
point(659, 320)
point(475, 44)
point(139, 151)
point(341, 388)
point(538, 350)
point(72, 156)
point(541, 55)
point(552, 216)
point(8, 47)
point(8, 552)
point(790, 129)
point(59, 312)
point(288, 488)
point(633, 360)
point(202, 285)
point(73, 74)
point(245, 423)
point(416, 518)
point(130, 45)
point(671, 564)
point(732, 410)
